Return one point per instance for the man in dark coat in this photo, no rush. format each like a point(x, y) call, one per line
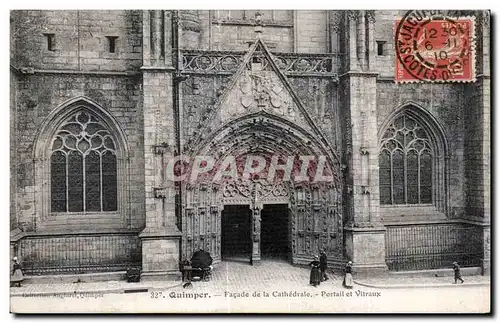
point(458, 275)
point(323, 265)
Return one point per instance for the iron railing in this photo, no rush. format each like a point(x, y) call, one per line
point(432, 246)
point(77, 254)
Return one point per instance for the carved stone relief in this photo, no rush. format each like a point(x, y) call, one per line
point(259, 189)
point(199, 95)
point(257, 91)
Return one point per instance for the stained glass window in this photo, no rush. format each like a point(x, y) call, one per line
point(405, 163)
point(83, 166)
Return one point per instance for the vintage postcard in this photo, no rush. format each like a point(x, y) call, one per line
point(250, 161)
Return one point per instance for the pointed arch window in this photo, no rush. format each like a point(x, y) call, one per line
point(83, 166)
point(406, 163)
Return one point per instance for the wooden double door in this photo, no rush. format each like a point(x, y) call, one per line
point(236, 235)
point(237, 239)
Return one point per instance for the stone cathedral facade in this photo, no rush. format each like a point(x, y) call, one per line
point(102, 100)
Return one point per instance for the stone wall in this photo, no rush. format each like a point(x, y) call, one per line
point(156, 253)
point(228, 37)
point(13, 159)
point(385, 24)
point(446, 103)
point(65, 74)
point(304, 31)
point(80, 41)
point(38, 95)
point(477, 145)
point(462, 110)
point(311, 30)
point(478, 128)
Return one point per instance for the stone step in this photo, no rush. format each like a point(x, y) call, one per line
point(74, 278)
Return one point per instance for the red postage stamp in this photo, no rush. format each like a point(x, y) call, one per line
point(431, 47)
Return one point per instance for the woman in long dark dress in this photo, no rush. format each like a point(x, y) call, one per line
point(17, 273)
point(315, 277)
point(348, 281)
point(458, 275)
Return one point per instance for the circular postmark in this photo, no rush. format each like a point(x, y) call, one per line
point(431, 46)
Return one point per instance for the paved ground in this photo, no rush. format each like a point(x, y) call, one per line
point(270, 287)
point(402, 281)
point(233, 275)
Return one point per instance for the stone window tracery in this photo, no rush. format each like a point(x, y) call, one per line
point(83, 166)
point(406, 163)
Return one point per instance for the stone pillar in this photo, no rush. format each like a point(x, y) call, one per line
point(191, 29)
point(351, 39)
point(161, 237)
point(486, 255)
point(256, 221)
point(478, 139)
point(167, 38)
point(370, 19)
point(146, 38)
point(364, 232)
point(157, 36)
point(361, 39)
point(335, 20)
point(485, 106)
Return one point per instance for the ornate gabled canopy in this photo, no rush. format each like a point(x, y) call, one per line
point(260, 105)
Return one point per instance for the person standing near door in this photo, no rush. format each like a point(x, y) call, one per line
point(323, 265)
point(348, 281)
point(315, 277)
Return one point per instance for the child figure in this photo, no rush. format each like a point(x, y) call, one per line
point(17, 273)
point(348, 281)
point(458, 275)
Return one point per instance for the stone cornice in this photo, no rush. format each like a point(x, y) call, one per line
point(17, 234)
point(157, 68)
point(241, 22)
point(359, 73)
point(375, 228)
point(431, 222)
point(162, 232)
point(31, 71)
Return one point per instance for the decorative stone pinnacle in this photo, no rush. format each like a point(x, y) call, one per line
point(258, 24)
point(258, 18)
point(335, 19)
point(353, 15)
point(370, 15)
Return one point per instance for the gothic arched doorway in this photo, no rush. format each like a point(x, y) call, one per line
point(293, 208)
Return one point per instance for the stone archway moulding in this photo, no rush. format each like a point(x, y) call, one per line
point(42, 217)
